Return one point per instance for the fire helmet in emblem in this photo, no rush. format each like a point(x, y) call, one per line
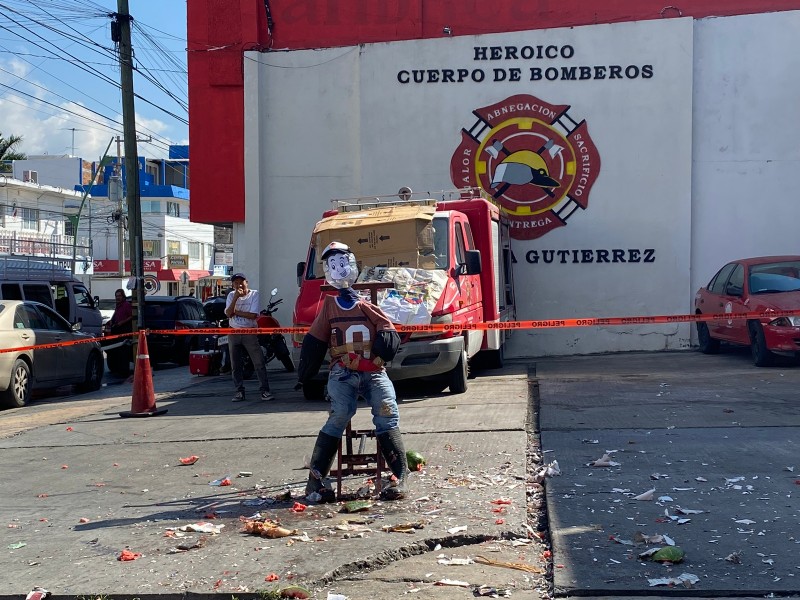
point(534, 159)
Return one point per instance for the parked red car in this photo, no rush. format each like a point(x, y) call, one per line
point(763, 285)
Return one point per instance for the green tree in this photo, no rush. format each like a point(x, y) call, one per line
point(8, 152)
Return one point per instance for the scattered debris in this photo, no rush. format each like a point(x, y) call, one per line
point(491, 592)
point(415, 460)
point(452, 582)
point(37, 593)
point(189, 460)
point(670, 554)
point(519, 566)
point(403, 527)
point(603, 461)
point(688, 511)
point(734, 557)
point(619, 540)
point(648, 495)
point(641, 538)
point(357, 506)
point(450, 562)
point(127, 555)
point(267, 529)
point(684, 579)
point(202, 527)
point(459, 529)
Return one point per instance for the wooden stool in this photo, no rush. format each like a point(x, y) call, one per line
point(358, 463)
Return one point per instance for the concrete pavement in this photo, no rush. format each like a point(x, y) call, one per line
point(711, 435)
point(88, 486)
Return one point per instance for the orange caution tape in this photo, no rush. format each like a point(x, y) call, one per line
point(453, 327)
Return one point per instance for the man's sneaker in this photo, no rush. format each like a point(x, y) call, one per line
point(239, 397)
point(267, 396)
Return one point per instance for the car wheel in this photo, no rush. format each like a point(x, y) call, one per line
point(708, 345)
point(19, 387)
point(459, 375)
point(762, 357)
point(94, 373)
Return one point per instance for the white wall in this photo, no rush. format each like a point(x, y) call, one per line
point(61, 171)
point(336, 123)
point(746, 140)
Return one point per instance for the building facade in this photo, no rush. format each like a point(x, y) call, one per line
point(38, 221)
point(640, 144)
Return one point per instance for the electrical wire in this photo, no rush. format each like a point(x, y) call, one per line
point(64, 12)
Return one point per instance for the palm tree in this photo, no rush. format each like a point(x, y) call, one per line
point(8, 153)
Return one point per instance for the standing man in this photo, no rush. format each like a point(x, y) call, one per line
point(119, 358)
point(122, 319)
point(360, 339)
point(241, 308)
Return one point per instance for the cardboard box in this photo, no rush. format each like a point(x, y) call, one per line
point(380, 231)
point(412, 260)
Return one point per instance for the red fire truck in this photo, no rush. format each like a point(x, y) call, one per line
point(441, 262)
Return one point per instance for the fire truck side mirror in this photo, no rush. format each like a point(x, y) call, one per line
point(301, 269)
point(473, 265)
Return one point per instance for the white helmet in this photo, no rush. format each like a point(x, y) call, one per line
point(339, 265)
point(335, 247)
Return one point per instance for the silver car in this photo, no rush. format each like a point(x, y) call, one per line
point(24, 324)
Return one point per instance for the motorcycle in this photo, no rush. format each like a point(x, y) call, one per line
point(273, 345)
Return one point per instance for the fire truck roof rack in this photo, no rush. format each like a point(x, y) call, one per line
point(404, 196)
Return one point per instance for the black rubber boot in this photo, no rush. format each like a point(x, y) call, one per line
point(395, 454)
point(320, 465)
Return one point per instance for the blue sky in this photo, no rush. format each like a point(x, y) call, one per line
point(59, 78)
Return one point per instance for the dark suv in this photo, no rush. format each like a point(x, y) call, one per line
point(175, 313)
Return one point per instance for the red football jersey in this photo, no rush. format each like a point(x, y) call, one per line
point(350, 332)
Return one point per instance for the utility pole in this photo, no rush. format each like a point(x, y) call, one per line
point(121, 32)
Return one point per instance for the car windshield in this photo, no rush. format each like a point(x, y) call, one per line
point(774, 278)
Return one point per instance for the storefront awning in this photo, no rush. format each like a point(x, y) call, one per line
point(175, 274)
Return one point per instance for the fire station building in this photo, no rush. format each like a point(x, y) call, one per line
point(680, 120)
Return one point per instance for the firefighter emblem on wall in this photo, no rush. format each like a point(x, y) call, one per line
point(532, 158)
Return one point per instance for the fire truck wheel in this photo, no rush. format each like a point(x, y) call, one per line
point(459, 375)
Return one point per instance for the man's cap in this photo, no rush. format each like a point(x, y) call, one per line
point(338, 247)
point(238, 276)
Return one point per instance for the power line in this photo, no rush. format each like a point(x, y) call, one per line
point(55, 15)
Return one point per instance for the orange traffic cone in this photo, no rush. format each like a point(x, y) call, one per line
point(143, 401)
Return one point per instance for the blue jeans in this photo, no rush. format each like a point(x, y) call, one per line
point(345, 387)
